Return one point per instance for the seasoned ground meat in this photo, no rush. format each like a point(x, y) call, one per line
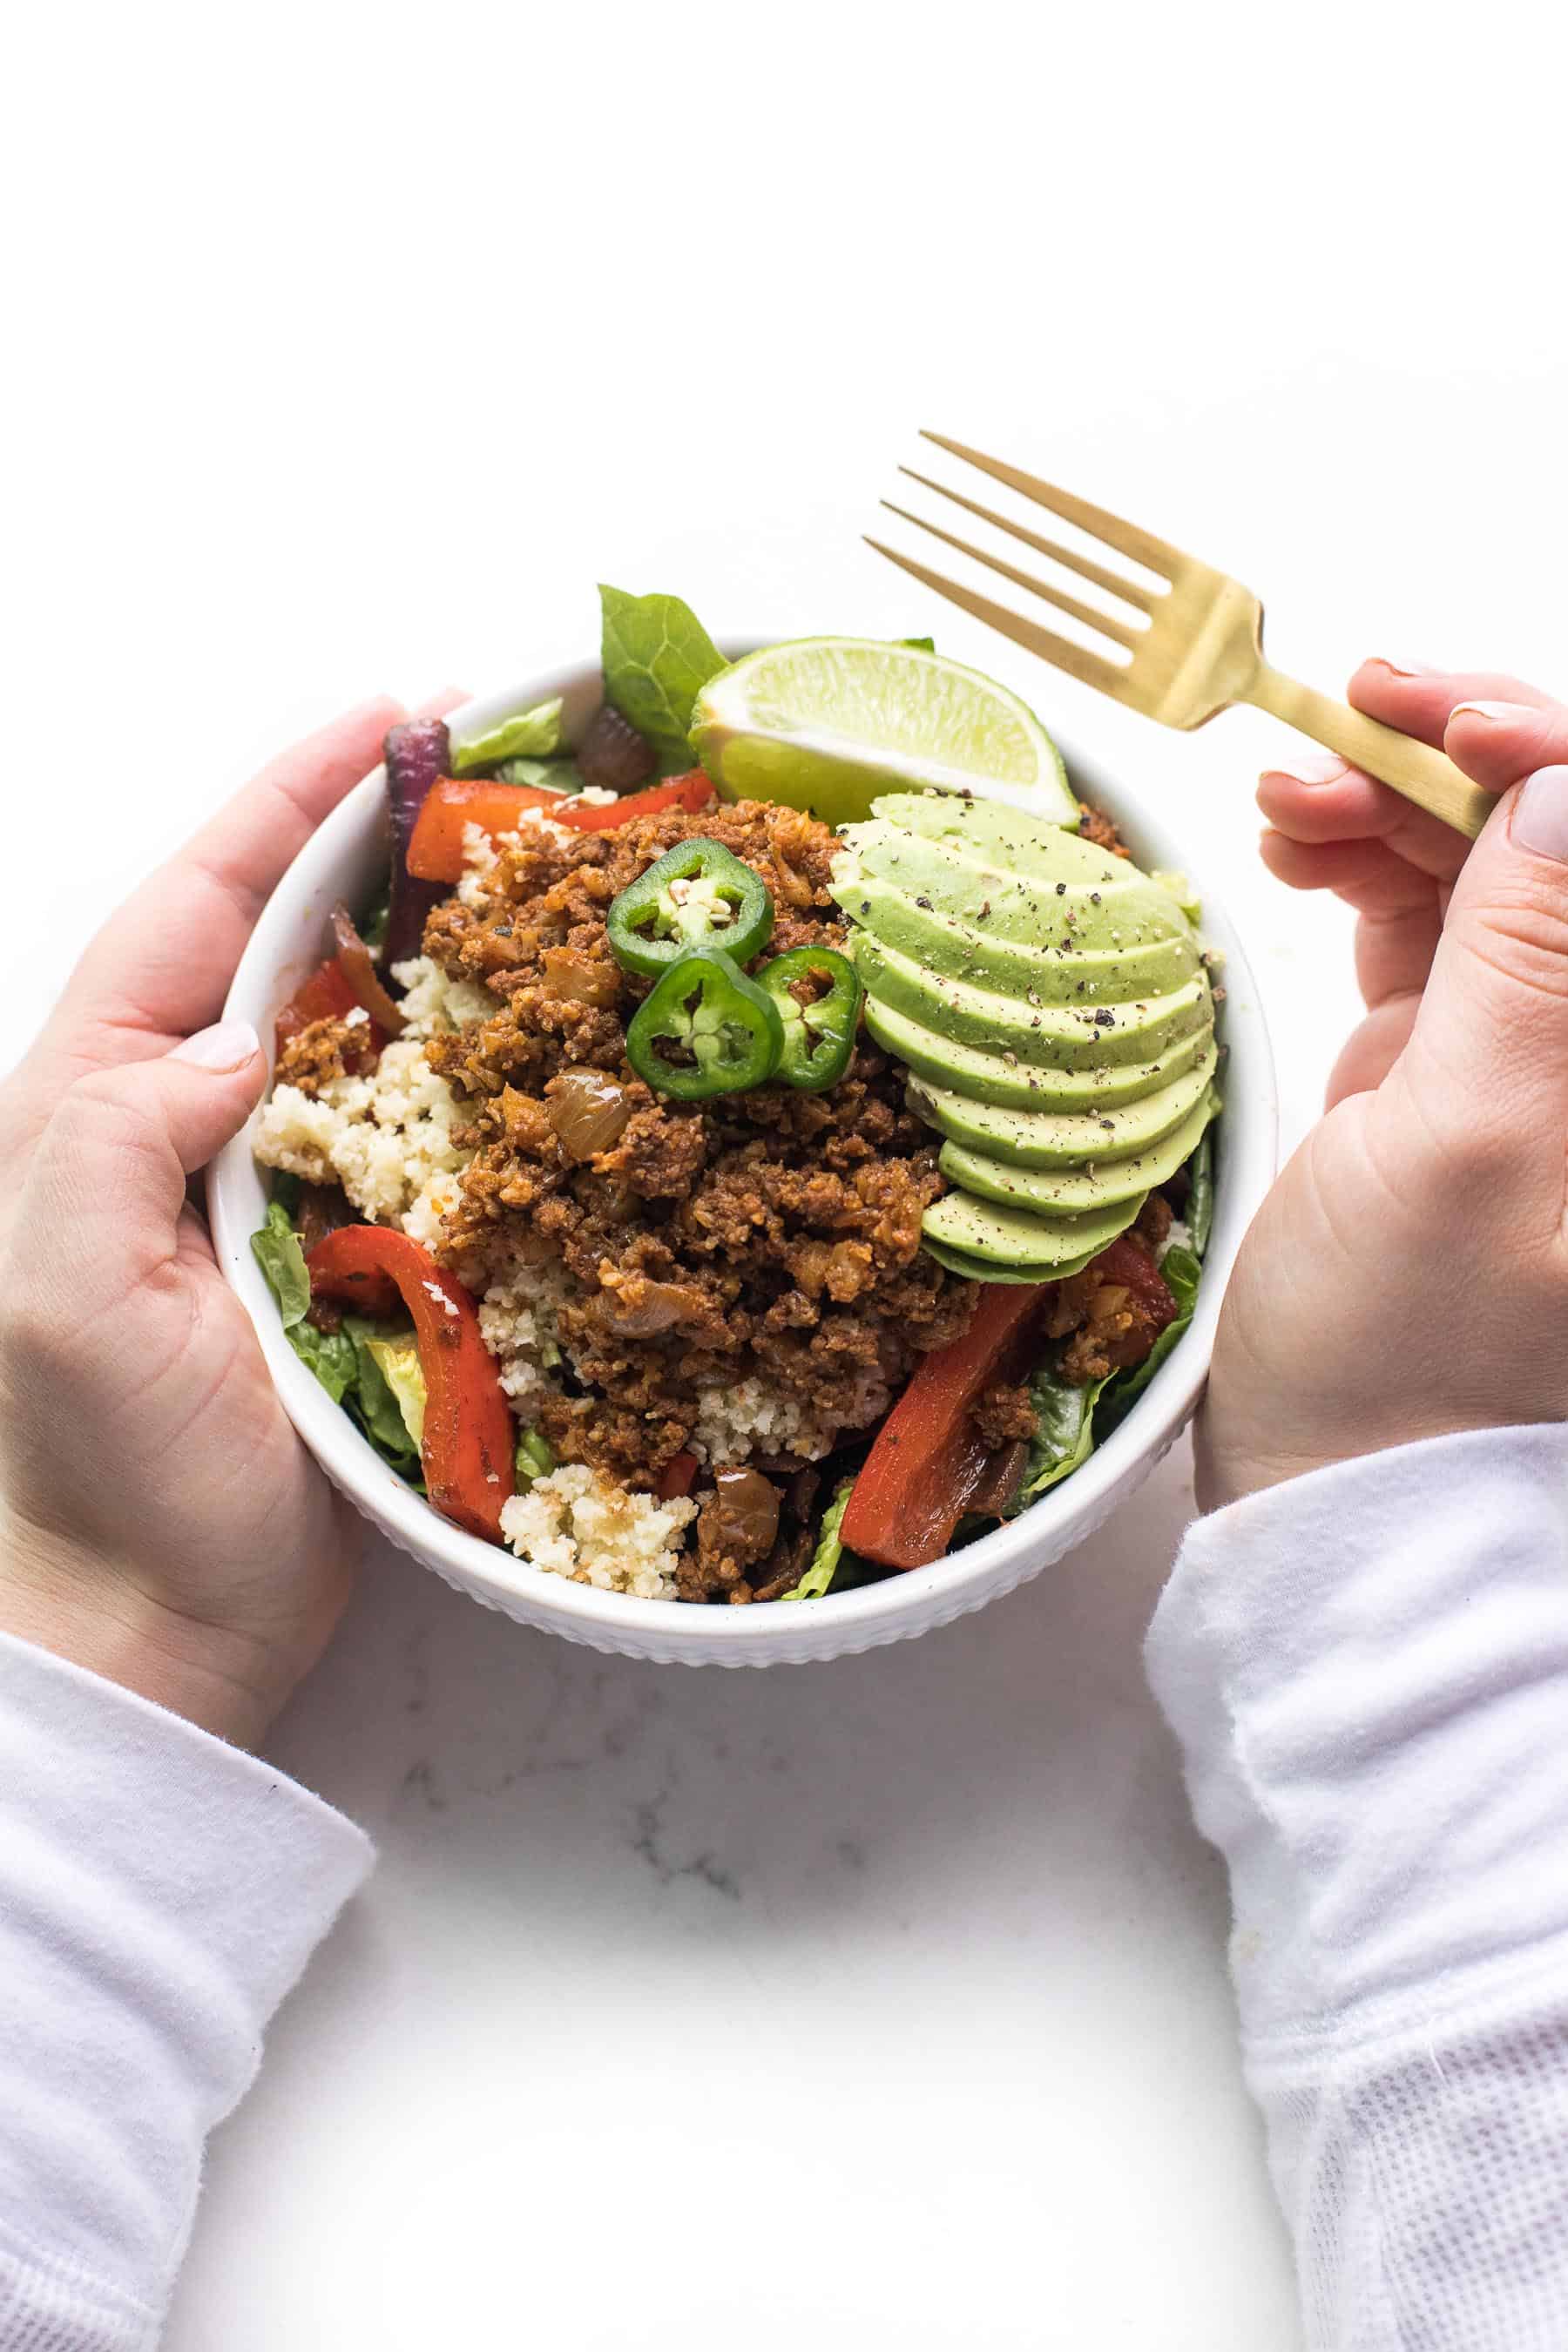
point(1003, 1415)
point(772, 1235)
point(1096, 826)
point(1114, 1310)
point(333, 1049)
point(1152, 1222)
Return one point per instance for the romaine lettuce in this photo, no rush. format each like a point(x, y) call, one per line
point(282, 1261)
point(1200, 1199)
point(382, 1410)
point(542, 775)
point(828, 1553)
point(533, 734)
point(1064, 1435)
point(328, 1354)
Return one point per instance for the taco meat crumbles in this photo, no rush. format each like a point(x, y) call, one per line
point(771, 1236)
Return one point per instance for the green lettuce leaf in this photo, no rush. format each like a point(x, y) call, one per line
point(542, 775)
point(657, 656)
point(828, 1553)
point(1200, 1200)
point(533, 734)
point(1064, 1435)
point(287, 1189)
point(403, 1375)
point(329, 1355)
point(377, 1404)
point(282, 1261)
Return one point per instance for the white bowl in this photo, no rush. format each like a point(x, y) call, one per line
point(347, 859)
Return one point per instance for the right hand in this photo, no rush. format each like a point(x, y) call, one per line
point(1408, 1275)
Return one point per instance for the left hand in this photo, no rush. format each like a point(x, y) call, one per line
point(162, 1523)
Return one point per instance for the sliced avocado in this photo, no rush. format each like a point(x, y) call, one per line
point(1016, 1239)
point(991, 1078)
point(1053, 1037)
point(976, 1269)
point(1051, 1138)
point(917, 927)
point(1051, 1191)
point(1121, 909)
point(1002, 834)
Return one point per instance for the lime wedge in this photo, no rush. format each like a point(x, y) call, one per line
point(827, 723)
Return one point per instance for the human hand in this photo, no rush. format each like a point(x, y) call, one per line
point(163, 1523)
point(1408, 1275)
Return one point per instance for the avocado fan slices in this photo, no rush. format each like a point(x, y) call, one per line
point(1052, 1007)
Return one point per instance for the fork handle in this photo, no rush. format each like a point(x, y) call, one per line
point(1427, 777)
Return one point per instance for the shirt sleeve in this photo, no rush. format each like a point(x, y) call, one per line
point(160, 1893)
point(1367, 1671)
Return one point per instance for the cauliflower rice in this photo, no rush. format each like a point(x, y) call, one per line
point(575, 1523)
point(387, 1138)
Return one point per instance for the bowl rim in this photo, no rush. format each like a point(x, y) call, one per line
point(1247, 1134)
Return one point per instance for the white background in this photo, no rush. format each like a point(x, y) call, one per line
point(880, 2002)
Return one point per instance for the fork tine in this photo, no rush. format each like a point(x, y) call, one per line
point(1155, 554)
point(1113, 583)
point(1087, 668)
point(1102, 622)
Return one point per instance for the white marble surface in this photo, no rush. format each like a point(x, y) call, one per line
point(910, 1963)
point(880, 2002)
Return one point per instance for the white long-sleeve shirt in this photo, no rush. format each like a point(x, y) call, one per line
point(1368, 1673)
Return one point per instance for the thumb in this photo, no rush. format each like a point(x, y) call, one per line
point(112, 1165)
point(1494, 1013)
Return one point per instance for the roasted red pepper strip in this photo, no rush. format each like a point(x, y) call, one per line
point(327, 995)
point(688, 792)
point(436, 852)
point(467, 1455)
point(929, 1457)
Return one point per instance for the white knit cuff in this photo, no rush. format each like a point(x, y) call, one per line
point(160, 1892)
point(1367, 1670)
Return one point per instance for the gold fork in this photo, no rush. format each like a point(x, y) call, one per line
point(1200, 651)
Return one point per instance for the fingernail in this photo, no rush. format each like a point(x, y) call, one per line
point(1311, 767)
point(1539, 821)
point(1488, 710)
point(228, 1045)
point(1408, 668)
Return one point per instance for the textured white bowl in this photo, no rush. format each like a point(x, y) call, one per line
point(347, 859)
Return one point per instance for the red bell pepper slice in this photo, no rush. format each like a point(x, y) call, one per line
point(929, 1457)
point(469, 1436)
point(435, 851)
point(689, 793)
point(327, 995)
